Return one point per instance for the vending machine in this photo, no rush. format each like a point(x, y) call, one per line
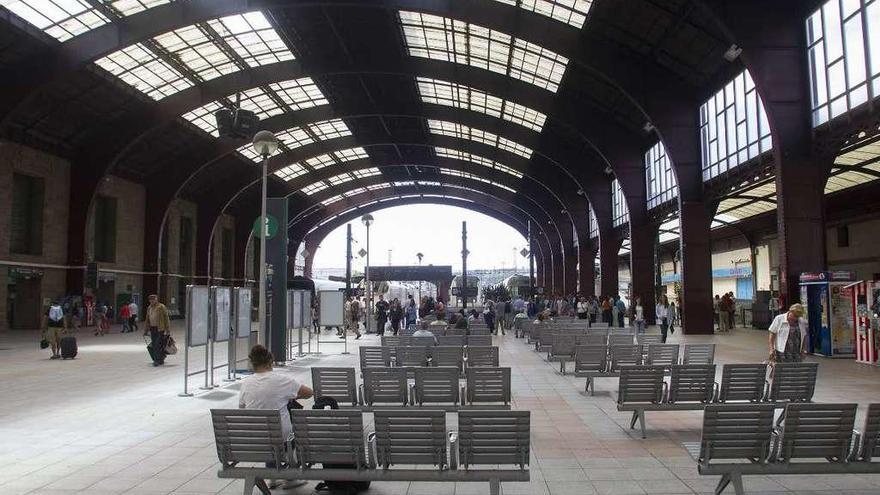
point(828, 299)
point(866, 320)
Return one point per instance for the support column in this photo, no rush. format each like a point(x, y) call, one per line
point(312, 248)
point(610, 246)
point(696, 268)
point(587, 273)
point(642, 242)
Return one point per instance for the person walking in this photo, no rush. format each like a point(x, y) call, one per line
point(488, 316)
point(787, 340)
point(716, 310)
point(732, 309)
point(353, 313)
point(723, 314)
point(411, 312)
point(621, 310)
point(593, 308)
point(133, 316)
point(396, 314)
point(583, 309)
point(314, 314)
point(100, 318)
point(499, 316)
point(381, 314)
point(159, 327)
point(125, 316)
point(639, 316)
point(663, 316)
point(56, 324)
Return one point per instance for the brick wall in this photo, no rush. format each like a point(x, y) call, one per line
point(225, 222)
point(170, 292)
point(56, 172)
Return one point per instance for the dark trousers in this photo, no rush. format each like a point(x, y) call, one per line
point(395, 326)
point(664, 328)
point(620, 319)
point(132, 323)
point(380, 329)
point(156, 344)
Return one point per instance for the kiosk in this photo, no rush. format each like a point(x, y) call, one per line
point(866, 320)
point(828, 299)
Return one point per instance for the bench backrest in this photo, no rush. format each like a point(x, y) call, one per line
point(479, 331)
point(385, 385)
point(422, 341)
point(493, 437)
point(486, 385)
point(338, 383)
point(485, 340)
point(395, 340)
point(625, 355)
point(622, 331)
point(447, 339)
point(646, 340)
point(592, 338)
point(640, 384)
point(412, 356)
point(599, 324)
point(741, 382)
point(332, 436)
point(436, 385)
point(563, 345)
point(410, 437)
point(793, 382)
point(736, 431)
point(374, 357)
point(817, 431)
point(480, 356)
point(618, 339)
point(698, 354)
point(590, 358)
point(662, 354)
point(447, 355)
point(692, 383)
point(455, 332)
point(248, 435)
point(871, 433)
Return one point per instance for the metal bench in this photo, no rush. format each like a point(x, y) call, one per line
point(793, 382)
point(374, 357)
point(661, 355)
point(619, 339)
point(617, 357)
point(338, 383)
point(590, 361)
point(448, 355)
point(562, 349)
point(384, 386)
point(646, 340)
point(535, 332)
point(642, 389)
point(698, 354)
point(436, 386)
point(869, 448)
point(415, 438)
point(395, 340)
point(742, 382)
point(411, 356)
point(422, 341)
point(592, 338)
point(447, 339)
point(545, 339)
point(485, 340)
point(455, 332)
point(480, 331)
point(487, 387)
point(811, 433)
point(481, 356)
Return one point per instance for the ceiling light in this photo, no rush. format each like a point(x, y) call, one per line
point(732, 53)
point(581, 192)
point(609, 170)
point(648, 127)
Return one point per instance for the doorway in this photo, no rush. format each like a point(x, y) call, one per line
point(106, 294)
point(24, 303)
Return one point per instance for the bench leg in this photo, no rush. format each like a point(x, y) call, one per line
point(562, 367)
point(589, 386)
point(640, 417)
point(722, 483)
point(494, 487)
point(737, 481)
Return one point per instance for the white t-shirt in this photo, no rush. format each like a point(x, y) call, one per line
point(781, 328)
point(640, 313)
point(270, 390)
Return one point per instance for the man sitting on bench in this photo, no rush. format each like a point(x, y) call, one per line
point(266, 389)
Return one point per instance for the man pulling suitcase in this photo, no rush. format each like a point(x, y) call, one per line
point(158, 328)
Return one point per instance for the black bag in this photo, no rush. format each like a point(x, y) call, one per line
point(157, 355)
point(346, 487)
point(68, 347)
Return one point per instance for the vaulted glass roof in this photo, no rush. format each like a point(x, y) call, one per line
point(466, 175)
point(477, 159)
point(451, 40)
point(858, 164)
point(318, 162)
point(295, 137)
point(453, 129)
point(456, 95)
point(266, 101)
point(340, 179)
point(199, 52)
point(572, 12)
point(65, 19)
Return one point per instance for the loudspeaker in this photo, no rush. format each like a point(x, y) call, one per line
point(225, 122)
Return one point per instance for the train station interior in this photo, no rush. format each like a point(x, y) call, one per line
point(696, 308)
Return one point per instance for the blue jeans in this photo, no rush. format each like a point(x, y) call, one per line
point(640, 326)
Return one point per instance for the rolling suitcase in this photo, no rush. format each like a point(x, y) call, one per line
point(68, 347)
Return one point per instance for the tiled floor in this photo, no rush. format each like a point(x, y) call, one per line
point(109, 423)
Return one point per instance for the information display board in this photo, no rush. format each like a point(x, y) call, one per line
point(198, 311)
point(221, 306)
point(330, 313)
point(243, 312)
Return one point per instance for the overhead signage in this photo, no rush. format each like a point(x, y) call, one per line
point(271, 227)
point(464, 291)
point(428, 273)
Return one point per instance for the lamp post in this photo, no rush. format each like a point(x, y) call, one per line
point(367, 221)
point(265, 144)
point(420, 256)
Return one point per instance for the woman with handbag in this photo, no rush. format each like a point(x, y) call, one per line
point(788, 336)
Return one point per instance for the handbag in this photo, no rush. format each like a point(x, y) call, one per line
point(170, 345)
point(44, 343)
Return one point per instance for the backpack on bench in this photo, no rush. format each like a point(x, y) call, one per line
point(340, 487)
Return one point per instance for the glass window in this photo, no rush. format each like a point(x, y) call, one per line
point(455, 95)
point(451, 40)
point(843, 43)
point(476, 159)
point(733, 127)
point(295, 137)
point(466, 175)
point(104, 222)
point(142, 69)
point(460, 131)
point(594, 225)
point(619, 210)
point(318, 162)
point(26, 220)
point(661, 184)
point(573, 12)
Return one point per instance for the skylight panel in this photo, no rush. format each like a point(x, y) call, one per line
point(252, 38)
point(351, 154)
point(203, 117)
point(365, 172)
point(355, 192)
point(453, 129)
point(330, 129)
point(455, 95)
point(329, 201)
point(314, 188)
point(376, 187)
point(143, 70)
point(320, 161)
point(514, 147)
point(299, 93)
point(450, 40)
point(197, 51)
point(572, 12)
point(291, 171)
point(466, 175)
point(405, 183)
point(507, 170)
point(129, 7)
point(290, 139)
point(60, 19)
point(476, 159)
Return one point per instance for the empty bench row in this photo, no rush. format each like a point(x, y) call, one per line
point(741, 439)
point(693, 386)
point(448, 339)
point(437, 387)
point(545, 341)
point(599, 361)
point(417, 356)
point(490, 446)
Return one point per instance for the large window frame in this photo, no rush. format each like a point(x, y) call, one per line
point(659, 176)
point(619, 208)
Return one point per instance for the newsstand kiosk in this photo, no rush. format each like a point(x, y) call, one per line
point(828, 298)
point(866, 319)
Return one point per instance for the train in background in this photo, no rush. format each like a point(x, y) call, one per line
point(457, 281)
point(390, 290)
point(517, 286)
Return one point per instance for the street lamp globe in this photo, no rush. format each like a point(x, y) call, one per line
point(367, 219)
point(265, 143)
